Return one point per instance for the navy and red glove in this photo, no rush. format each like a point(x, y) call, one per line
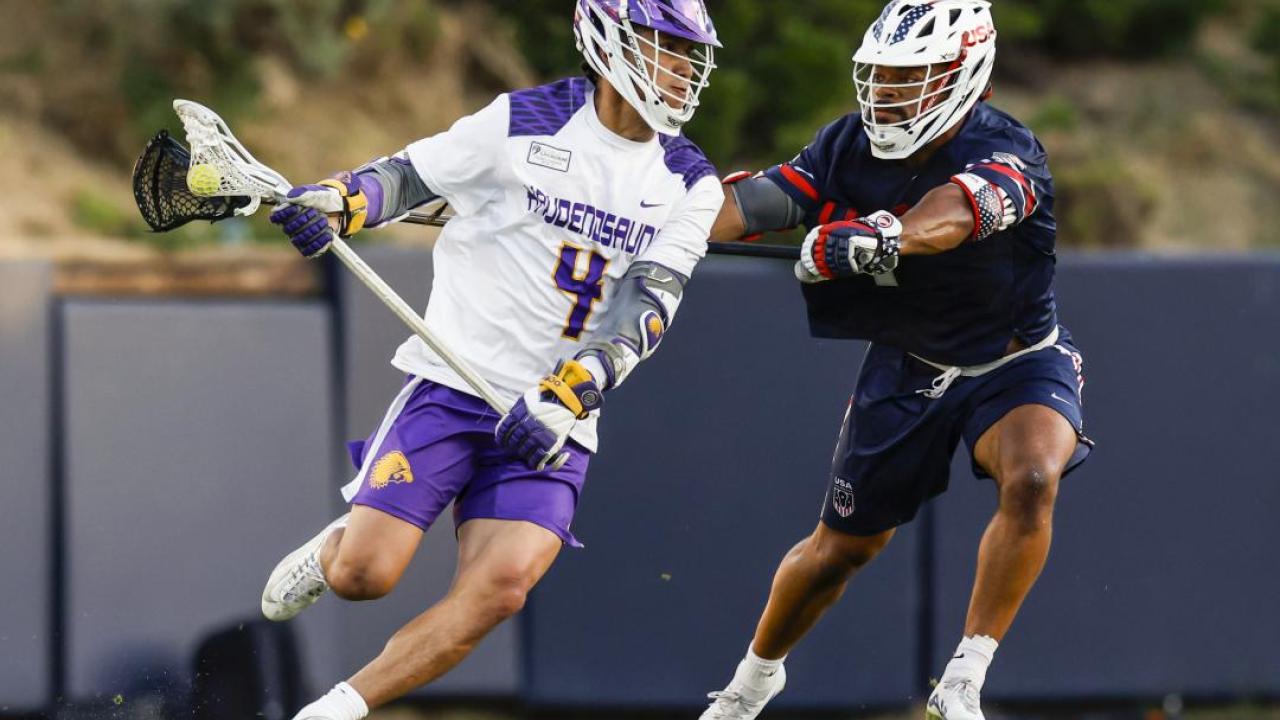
point(866, 246)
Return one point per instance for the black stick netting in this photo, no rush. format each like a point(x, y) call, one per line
point(160, 188)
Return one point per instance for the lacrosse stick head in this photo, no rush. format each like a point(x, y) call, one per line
point(160, 188)
point(226, 168)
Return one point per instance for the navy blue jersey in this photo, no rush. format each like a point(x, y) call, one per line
point(960, 307)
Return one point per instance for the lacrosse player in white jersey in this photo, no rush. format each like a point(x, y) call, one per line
point(581, 212)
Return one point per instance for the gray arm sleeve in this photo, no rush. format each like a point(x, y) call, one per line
point(639, 315)
point(764, 207)
point(401, 185)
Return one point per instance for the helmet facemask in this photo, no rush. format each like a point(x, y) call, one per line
point(922, 104)
point(952, 41)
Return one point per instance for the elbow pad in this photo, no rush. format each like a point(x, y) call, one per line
point(993, 209)
point(639, 316)
point(763, 205)
point(394, 188)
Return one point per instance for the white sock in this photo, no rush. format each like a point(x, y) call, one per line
point(971, 660)
point(340, 703)
point(754, 671)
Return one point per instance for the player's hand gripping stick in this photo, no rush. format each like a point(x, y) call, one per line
point(540, 422)
point(866, 246)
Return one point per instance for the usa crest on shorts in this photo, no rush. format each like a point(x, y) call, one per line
point(842, 496)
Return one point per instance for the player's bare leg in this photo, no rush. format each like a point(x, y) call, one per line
point(375, 549)
point(1026, 452)
point(499, 561)
point(810, 579)
point(365, 560)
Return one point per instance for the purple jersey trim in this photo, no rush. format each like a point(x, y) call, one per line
point(686, 159)
point(545, 110)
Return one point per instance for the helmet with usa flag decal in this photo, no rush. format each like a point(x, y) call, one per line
point(951, 42)
point(620, 40)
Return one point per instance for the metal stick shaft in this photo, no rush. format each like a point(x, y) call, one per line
point(392, 300)
point(397, 305)
point(781, 252)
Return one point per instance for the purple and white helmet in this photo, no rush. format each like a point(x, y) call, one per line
point(610, 38)
point(959, 34)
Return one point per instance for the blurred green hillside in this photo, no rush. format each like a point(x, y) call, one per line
point(1158, 114)
point(785, 67)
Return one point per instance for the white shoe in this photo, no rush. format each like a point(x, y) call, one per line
point(738, 702)
point(954, 700)
point(297, 582)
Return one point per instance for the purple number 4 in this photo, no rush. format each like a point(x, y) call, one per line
point(586, 290)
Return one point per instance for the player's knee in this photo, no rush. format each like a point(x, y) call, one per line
point(508, 600)
point(842, 555)
point(359, 581)
point(1027, 495)
point(502, 593)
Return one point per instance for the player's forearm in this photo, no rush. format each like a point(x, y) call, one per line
point(941, 221)
point(393, 187)
point(729, 224)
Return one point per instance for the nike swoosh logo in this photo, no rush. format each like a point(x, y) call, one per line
point(647, 206)
point(957, 657)
point(1062, 400)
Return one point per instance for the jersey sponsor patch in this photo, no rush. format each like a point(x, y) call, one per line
point(547, 156)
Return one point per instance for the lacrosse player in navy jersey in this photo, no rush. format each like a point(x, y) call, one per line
point(931, 234)
point(581, 212)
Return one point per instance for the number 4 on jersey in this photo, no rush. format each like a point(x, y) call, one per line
point(586, 289)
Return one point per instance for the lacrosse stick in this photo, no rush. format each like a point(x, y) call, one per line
point(167, 203)
point(222, 167)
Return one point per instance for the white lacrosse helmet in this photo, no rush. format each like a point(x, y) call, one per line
point(610, 39)
point(920, 33)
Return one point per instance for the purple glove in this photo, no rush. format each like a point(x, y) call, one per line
point(538, 425)
point(307, 228)
point(304, 218)
point(523, 435)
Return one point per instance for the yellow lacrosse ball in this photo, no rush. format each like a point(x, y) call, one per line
point(204, 179)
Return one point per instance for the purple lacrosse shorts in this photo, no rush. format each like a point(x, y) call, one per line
point(440, 448)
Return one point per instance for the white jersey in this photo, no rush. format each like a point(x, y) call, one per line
point(552, 209)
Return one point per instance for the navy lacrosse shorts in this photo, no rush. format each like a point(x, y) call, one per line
point(896, 445)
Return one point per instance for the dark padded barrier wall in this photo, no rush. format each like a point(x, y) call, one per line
point(1162, 576)
point(370, 336)
point(713, 464)
point(25, 553)
point(200, 447)
point(197, 454)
